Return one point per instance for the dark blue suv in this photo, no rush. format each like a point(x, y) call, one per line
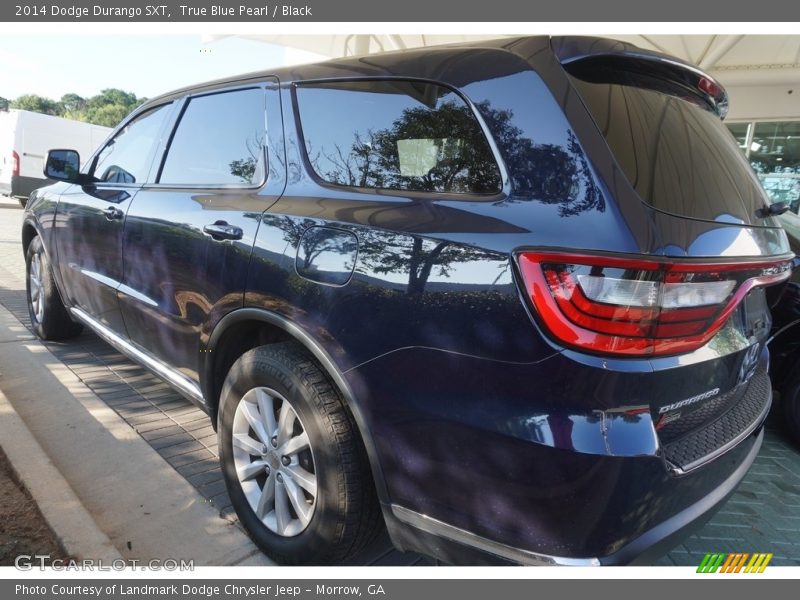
point(508, 299)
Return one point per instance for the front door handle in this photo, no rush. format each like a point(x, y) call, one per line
point(220, 230)
point(112, 213)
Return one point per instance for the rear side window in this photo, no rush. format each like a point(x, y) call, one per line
point(678, 155)
point(219, 141)
point(127, 157)
point(397, 135)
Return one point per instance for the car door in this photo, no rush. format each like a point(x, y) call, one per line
point(188, 237)
point(90, 218)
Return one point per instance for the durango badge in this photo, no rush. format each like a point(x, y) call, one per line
point(688, 401)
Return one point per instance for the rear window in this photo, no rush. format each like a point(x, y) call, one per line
point(398, 135)
point(677, 154)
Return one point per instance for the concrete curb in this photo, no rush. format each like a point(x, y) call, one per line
point(6, 202)
point(73, 526)
point(144, 506)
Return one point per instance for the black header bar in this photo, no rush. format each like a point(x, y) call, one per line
point(453, 11)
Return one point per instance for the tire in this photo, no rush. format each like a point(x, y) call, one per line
point(335, 515)
point(790, 406)
point(49, 318)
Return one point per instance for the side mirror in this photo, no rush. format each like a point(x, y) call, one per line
point(773, 210)
point(63, 165)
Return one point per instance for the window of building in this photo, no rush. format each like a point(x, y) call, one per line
point(773, 149)
point(740, 132)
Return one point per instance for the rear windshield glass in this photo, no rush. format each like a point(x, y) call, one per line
point(678, 155)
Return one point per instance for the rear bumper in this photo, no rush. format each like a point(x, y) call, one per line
point(458, 546)
point(487, 462)
point(662, 538)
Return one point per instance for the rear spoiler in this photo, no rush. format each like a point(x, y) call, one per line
point(586, 57)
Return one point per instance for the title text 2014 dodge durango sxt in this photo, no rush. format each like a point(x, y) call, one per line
point(507, 298)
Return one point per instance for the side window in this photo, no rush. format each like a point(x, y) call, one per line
point(219, 141)
point(126, 158)
point(399, 135)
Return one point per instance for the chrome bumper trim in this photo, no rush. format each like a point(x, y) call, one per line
point(745, 433)
point(461, 536)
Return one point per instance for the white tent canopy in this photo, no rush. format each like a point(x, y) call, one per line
point(736, 59)
point(760, 72)
point(338, 45)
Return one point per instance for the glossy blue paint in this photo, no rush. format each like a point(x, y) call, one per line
point(471, 414)
point(326, 255)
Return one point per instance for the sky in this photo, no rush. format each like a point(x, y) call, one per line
point(147, 65)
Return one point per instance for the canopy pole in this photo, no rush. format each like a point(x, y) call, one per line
point(716, 53)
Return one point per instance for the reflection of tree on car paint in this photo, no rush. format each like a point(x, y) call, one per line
point(549, 173)
point(500, 340)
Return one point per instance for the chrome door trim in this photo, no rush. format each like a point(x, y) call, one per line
point(174, 378)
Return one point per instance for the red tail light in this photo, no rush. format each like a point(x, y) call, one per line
point(14, 163)
point(638, 307)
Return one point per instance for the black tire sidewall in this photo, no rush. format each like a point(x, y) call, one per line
point(39, 327)
point(790, 405)
point(311, 546)
point(56, 323)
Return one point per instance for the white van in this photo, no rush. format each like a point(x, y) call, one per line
point(25, 138)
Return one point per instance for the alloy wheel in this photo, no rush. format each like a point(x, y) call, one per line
point(36, 286)
point(274, 461)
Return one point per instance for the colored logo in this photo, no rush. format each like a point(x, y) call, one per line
point(714, 562)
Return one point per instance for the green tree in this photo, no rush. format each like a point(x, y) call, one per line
point(38, 104)
point(109, 107)
point(73, 102)
point(114, 96)
point(108, 115)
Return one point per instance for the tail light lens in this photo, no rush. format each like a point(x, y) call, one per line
point(636, 307)
point(14, 163)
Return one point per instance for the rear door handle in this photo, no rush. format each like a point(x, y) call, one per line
point(112, 213)
point(220, 230)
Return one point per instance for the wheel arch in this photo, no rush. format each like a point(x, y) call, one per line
point(211, 377)
point(29, 231)
point(31, 228)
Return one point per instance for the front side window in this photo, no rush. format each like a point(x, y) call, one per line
point(219, 141)
point(398, 135)
point(126, 158)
